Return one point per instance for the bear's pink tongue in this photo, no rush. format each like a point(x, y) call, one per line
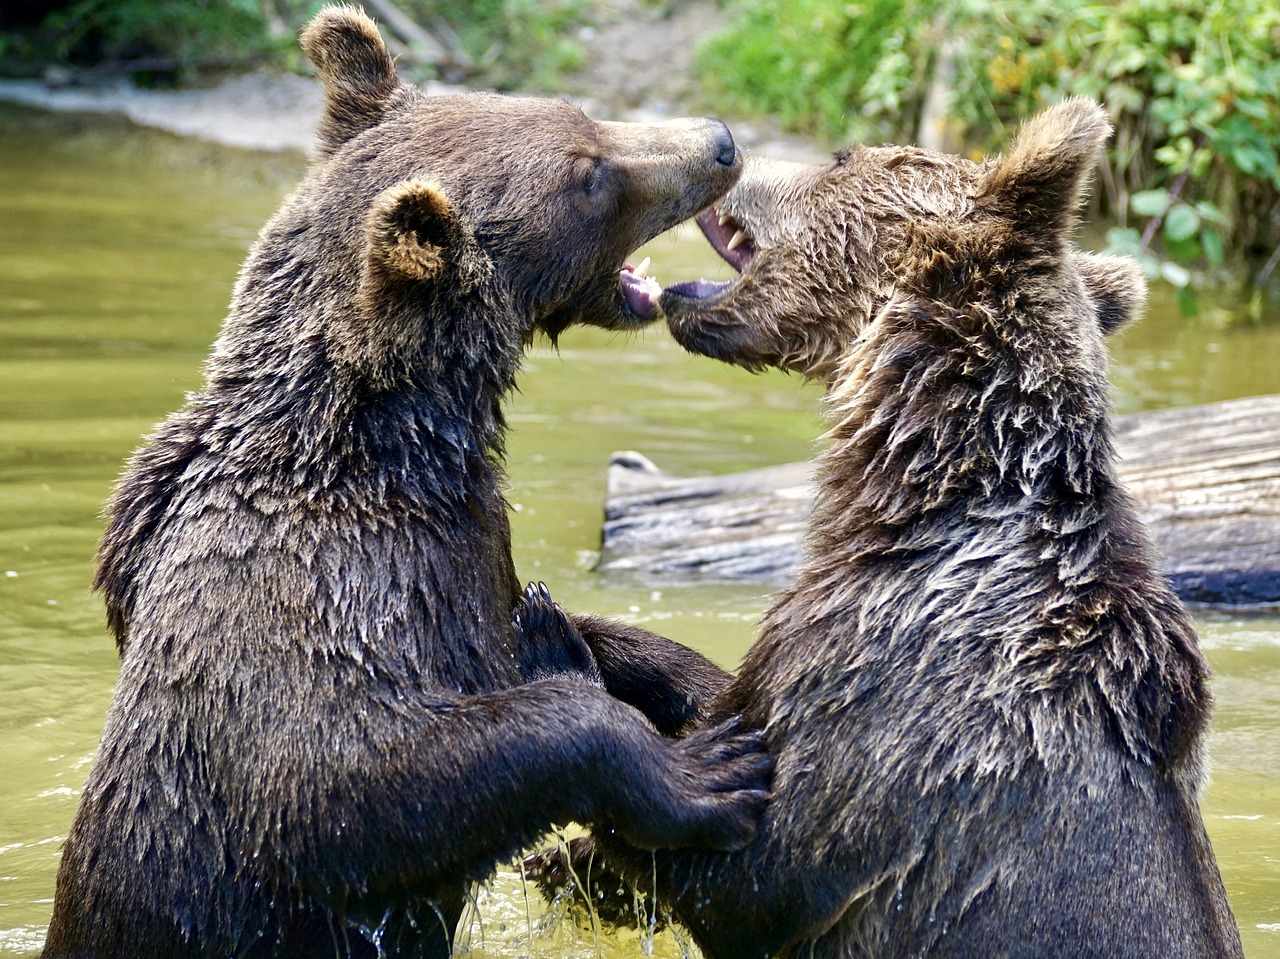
point(640, 290)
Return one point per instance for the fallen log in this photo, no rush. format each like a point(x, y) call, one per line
point(1206, 478)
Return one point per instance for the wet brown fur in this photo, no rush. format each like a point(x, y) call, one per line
point(988, 706)
point(324, 726)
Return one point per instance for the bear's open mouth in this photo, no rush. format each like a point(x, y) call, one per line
point(730, 239)
point(640, 291)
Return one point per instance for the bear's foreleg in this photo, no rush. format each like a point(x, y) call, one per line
point(555, 751)
point(670, 683)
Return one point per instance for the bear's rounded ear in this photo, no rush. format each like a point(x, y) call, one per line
point(1116, 286)
point(414, 232)
point(359, 77)
point(1041, 182)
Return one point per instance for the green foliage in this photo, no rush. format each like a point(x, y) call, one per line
point(517, 43)
point(803, 62)
point(1193, 87)
point(189, 32)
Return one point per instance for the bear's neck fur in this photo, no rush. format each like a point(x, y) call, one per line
point(412, 429)
point(971, 467)
point(413, 391)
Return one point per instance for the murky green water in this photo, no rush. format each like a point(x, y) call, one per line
point(118, 248)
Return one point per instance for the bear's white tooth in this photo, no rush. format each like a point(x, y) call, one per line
point(738, 237)
point(643, 268)
point(725, 218)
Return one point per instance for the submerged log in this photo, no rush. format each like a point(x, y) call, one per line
point(1206, 479)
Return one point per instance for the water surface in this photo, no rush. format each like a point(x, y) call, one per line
point(118, 248)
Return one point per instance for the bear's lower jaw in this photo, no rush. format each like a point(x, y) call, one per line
point(700, 289)
point(641, 292)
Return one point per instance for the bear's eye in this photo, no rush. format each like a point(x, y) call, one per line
point(592, 176)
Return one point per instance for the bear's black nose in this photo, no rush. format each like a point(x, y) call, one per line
point(726, 149)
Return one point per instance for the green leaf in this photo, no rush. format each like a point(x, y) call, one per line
point(1181, 223)
point(1123, 240)
point(1123, 98)
point(1214, 248)
point(1247, 159)
point(1254, 108)
point(1175, 274)
point(1183, 251)
point(1209, 213)
point(1172, 157)
point(1149, 202)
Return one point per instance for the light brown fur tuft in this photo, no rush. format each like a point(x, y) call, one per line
point(1040, 182)
point(409, 229)
point(356, 68)
point(1116, 286)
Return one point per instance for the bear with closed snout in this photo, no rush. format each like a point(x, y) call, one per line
point(325, 726)
point(988, 708)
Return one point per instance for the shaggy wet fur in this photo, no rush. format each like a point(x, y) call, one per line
point(325, 726)
point(988, 707)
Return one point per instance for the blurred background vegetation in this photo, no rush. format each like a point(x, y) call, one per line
point(1191, 184)
point(1192, 179)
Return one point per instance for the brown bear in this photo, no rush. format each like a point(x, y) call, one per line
point(325, 726)
point(988, 707)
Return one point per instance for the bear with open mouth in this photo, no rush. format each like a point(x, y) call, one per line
point(326, 724)
point(989, 709)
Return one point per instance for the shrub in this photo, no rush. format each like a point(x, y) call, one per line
point(1193, 86)
point(187, 32)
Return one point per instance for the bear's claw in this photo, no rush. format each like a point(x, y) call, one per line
point(548, 643)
